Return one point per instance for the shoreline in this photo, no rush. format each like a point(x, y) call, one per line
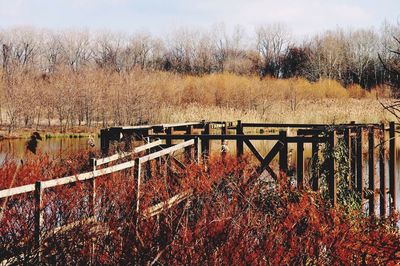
point(25, 133)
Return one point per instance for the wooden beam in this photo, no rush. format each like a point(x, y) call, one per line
point(371, 170)
point(300, 165)
point(353, 159)
point(122, 155)
point(38, 225)
point(283, 159)
point(205, 143)
point(16, 191)
point(253, 150)
point(392, 166)
point(315, 166)
point(360, 176)
point(270, 156)
point(158, 208)
point(289, 139)
point(239, 141)
point(166, 151)
point(332, 180)
point(347, 148)
point(382, 177)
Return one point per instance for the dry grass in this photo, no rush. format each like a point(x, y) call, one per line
point(96, 98)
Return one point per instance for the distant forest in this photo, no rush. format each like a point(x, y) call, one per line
point(72, 78)
point(348, 56)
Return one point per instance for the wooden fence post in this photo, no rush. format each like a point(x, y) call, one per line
point(392, 166)
point(360, 180)
point(315, 166)
point(382, 178)
point(138, 177)
point(300, 164)
point(189, 150)
point(239, 141)
point(347, 145)
point(332, 181)
point(104, 141)
point(38, 219)
point(283, 160)
point(196, 150)
point(92, 204)
point(224, 144)
point(205, 143)
point(353, 158)
point(371, 170)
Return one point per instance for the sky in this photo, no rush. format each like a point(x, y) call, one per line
point(303, 17)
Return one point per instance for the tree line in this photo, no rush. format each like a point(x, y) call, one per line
point(74, 78)
point(348, 56)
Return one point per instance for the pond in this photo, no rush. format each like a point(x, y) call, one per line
point(16, 148)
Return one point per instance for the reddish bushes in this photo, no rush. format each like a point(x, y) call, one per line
point(227, 220)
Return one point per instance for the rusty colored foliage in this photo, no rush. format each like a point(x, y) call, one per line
point(227, 220)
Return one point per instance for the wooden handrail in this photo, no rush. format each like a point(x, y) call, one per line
point(136, 150)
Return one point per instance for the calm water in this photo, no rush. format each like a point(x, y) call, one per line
point(55, 147)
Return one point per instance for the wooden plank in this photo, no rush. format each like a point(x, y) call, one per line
point(347, 148)
point(371, 170)
point(178, 163)
point(205, 143)
point(360, 180)
point(253, 150)
point(239, 141)
point(158, 208)
point(16, 191)
point(315, 167)
point(272, 125)
point(382, 177)
point(353, 158)
point(392, 166)
point(332, 180)
point(104, 141)
point(189, 150)
point(136, 150)
point(38, 224)
point(88, 175)
point(289, 139)
point(138, 177)
point(283, 159)
point(270, 156)
point(300, 165)
point(166, 151)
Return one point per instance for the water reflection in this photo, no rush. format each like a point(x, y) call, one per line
point(16, 149)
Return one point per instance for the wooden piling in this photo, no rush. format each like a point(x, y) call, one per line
point(104, 141)
point(300, 164)
point(205, 142)
point(360, 180)
point(382, 177)
point(283, 158)
point(315, 166)
point(331, 167)
point(392, 166)
point(38, 225)
point(371, 170)
point(347, 147)
point(239, 141)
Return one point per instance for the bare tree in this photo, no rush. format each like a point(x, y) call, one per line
point(273, 42)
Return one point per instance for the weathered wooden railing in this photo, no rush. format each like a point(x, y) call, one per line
point(40, 186)
point(355, 137)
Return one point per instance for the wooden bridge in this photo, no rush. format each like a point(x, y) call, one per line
point(360, 142)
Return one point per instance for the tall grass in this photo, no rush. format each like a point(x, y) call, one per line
point(98, 98)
